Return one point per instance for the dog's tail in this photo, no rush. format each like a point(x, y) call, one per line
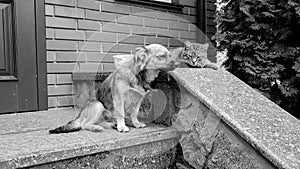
point(72, 126)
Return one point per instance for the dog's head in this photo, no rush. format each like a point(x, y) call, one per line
point(154, 56)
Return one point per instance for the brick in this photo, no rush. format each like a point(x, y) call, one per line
point(190, 19)
point(111, 27)
point(60, 90)
point(60, 22)
point(95, 56)
point(62, 67)
point(70, 56)
point(175, 42)
point(211, 29)
point(108, 66)
point(100, 57)
point(139, 30)
point(88, 25)
point(69, 34)
point(100, 16)
point(64, 79)
point(69, 12)
point(49, 33)
point(167, 16)
point(138, 11)
point(188, 35)
point(185, 10)
point(51, 79)
point(61, 2)
point(116, 48)
point(101, 36)
point(190, 40)
point(211, 6)
point(156, 23)
point(49, 10)
point(167, 33)
point(90, 67)
point(61, 45)
point(115, 8)
point(50, 56)
point(188, 2)
point(52, 102)
point(132, 20)
point(89, 46)
point(131, 39)
point(192, 11)
point(65, 100)
point(193, 28)
point(108, 57)
point(88, 4)
point(162, 41)
point(211, 14)
point(179, 26)
point(211, 22)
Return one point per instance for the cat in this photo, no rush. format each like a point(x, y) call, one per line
point(194, 55)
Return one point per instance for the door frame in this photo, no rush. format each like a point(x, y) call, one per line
point(40, 27)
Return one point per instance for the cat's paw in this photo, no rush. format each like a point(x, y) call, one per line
point(122, 128)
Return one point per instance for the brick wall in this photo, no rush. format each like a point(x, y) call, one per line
point(83, 35)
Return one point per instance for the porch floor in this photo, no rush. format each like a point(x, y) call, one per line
point(25, 140)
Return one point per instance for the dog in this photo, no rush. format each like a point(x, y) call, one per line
point(122, 92)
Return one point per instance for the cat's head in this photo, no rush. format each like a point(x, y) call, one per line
point(194, 53)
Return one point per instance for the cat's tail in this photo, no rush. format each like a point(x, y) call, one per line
point(72, 126)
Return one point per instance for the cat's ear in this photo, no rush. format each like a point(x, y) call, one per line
point(187, 44)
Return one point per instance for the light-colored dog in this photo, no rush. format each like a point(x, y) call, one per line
point(123, 91)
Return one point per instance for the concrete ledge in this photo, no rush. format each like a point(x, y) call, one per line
point(25, 140)
point(264, 125)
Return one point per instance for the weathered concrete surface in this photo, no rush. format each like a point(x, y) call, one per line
point(34, 121)
point(153, 155)
point(263, 124)
point(25, 141)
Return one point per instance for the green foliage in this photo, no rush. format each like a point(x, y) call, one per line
point(262, 38)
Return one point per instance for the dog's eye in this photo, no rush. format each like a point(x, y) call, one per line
point(160, 57)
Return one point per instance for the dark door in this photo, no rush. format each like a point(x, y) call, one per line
point(21, 88)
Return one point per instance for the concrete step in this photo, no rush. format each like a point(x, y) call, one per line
point(25, 142)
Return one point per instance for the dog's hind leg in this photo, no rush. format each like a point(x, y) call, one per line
point(92, 127)
point(91, 115)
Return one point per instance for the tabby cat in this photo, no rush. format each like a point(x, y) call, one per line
point(194, 55)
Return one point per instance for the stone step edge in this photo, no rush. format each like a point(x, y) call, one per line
point(42, 157)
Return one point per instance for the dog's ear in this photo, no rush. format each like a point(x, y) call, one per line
point(140, 57)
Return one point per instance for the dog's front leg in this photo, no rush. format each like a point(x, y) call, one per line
point(136, 123)
point(135, 110)
point(120, 114)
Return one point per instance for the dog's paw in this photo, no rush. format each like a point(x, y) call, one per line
point(139, 125)
point(122, 128)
